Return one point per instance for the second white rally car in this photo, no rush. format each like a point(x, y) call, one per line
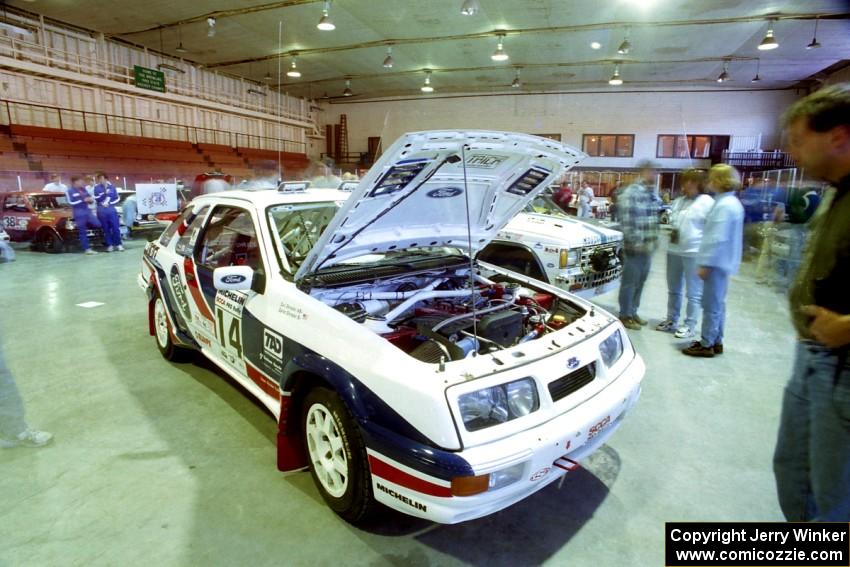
point(397, 372)
point(578, 255)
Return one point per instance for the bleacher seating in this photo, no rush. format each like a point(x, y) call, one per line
point(31, 153)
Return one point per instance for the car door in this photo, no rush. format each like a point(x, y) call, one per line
point(230, 238)
point(16, 216)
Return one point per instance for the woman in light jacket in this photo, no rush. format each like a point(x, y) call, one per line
point(687, 218)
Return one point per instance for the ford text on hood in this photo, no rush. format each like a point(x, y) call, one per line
point(400, 374)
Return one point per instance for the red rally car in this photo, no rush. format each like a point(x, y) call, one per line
point(43, 218)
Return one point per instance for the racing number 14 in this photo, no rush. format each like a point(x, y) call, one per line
point(234, 333)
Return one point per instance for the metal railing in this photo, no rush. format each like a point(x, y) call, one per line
point(758, 160)
point(177, 83)
point(30, 114)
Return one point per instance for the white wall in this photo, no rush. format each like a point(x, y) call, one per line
point(645, 114)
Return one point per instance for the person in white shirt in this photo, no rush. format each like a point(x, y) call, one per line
point(687, 218)
point(585, 198)
point(55, 184)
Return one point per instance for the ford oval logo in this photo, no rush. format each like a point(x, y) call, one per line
point(444, 192)
point(572, 363)
point(232, 279)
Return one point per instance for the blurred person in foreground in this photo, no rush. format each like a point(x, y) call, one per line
point(14, 431)
point(719, 257)
point(637, 210)
point(687, 220)
point(812, 457)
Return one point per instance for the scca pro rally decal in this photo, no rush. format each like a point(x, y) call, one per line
point(231, 301)
point(180, 293)
point(444, 192)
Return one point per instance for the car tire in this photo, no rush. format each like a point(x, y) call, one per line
point(334, 444)
point(50, 242)
point(162, 334)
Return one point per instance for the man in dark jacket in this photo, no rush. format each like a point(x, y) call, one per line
point(107, 197)
point(79, 199)
point(812, 458)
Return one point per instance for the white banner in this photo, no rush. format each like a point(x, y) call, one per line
point(152, 198)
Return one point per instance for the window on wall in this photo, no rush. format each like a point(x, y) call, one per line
point(678, 146)
point(608, 145)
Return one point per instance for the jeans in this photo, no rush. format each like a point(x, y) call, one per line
point(812, 458)
point(129, 210)
point(108, 218)
point(12, 420)
point(635, 271)
point(85, 221)
point(7, 253)
point(682, 274)
point(714, 307)
point(764, 265)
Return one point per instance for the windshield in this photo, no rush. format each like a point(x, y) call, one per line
point(546, 205)
point(46, 202)
point(298, 228)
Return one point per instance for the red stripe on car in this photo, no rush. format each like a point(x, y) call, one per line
point(265, 383)
point(192, 282)
point(398, 476)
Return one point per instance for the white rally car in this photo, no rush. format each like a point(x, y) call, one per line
point(398, 373)
point(578, 255)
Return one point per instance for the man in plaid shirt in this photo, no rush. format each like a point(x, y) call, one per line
point(637, 210)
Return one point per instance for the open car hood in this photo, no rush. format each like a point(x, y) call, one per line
point(416, 194)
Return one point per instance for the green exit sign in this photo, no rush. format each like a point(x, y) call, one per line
point(150, 79)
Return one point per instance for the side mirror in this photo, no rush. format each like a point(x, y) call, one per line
point(233, 278)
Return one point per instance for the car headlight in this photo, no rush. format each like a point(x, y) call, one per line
point(70, 225)
point(611, 349)
point(568, 257)
point(492, 406)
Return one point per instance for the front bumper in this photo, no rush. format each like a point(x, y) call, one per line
point(591, 292)
point(544, 454)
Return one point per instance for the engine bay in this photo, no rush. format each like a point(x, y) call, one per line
point(444, 315)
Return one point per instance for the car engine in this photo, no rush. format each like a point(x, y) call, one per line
point(445, 315)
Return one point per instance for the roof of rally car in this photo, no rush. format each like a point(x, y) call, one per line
point(269, 198)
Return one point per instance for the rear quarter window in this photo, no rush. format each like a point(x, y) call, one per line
point(169, 233)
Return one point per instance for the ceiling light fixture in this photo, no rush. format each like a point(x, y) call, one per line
point(388, 60)
point(210, 27)
point(769, 42)
point(470, 7)
point(517, 83)
point(724, 76)
point(426, 86)
point(268, 76)
point(815, 43)
point(293, 69)
point(500, 54)
point(615, 79)
point(595, 45)
point(325, 23)
point(756, 79)
point(347, 91)
point(626, 46)
point(180, 48)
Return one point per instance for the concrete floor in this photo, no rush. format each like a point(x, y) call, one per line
point(170, 464)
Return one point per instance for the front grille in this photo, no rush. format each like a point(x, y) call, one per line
point(572, 382)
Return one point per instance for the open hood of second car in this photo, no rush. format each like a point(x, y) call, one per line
point(416, 194)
